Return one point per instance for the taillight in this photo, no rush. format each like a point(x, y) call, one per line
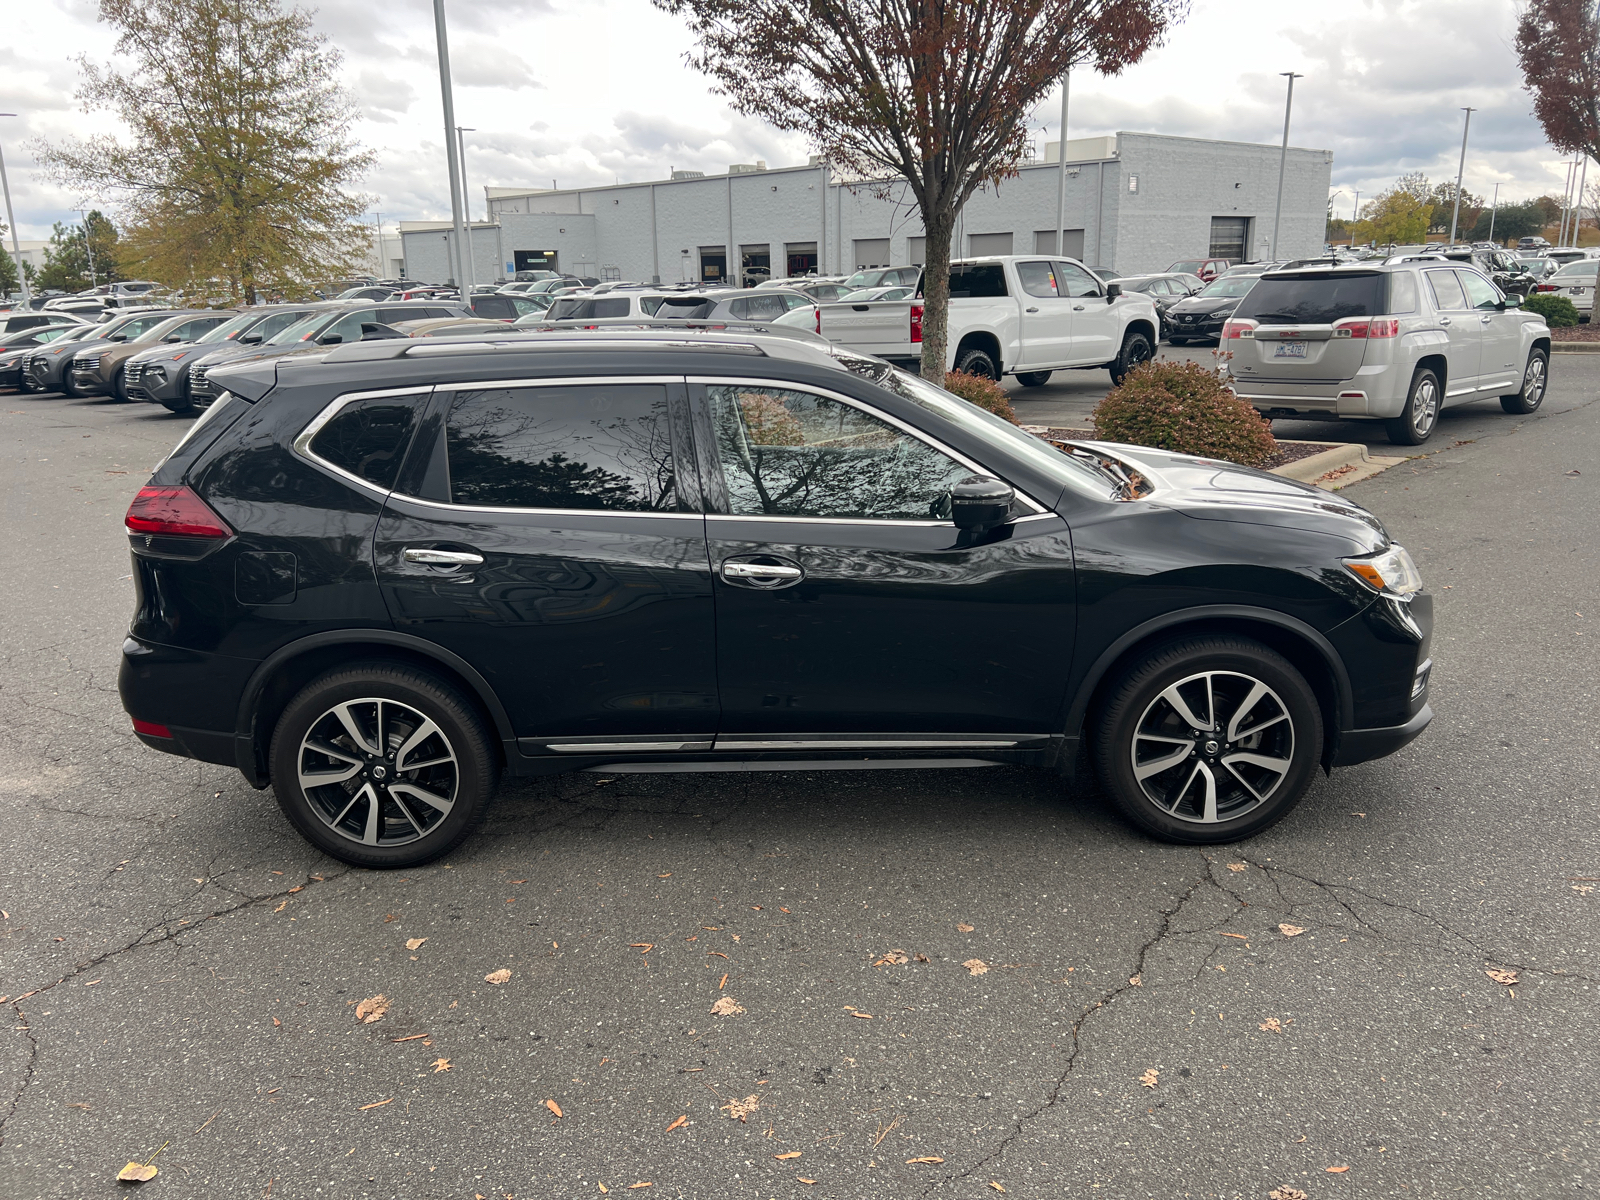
point(173, 512)
point(1238, 327)
point(1367, 327)
point(916, 322)
point(1546, 287)
point(151, 729)
point(817, 312)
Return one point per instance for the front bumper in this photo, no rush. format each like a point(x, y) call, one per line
point(1192, 325)
point(89, 383)
point(1364, 745)
point(152, 387)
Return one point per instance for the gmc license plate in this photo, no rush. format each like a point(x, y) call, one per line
point(1290, 350)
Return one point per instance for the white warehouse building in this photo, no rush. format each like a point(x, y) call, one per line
point(1135, 202)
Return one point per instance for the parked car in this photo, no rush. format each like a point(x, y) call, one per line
point(449, 327)
point(874, 277)
point(1200, 317)
point(161, 375)
point(1396, 342)
point(1568, 254)
point(1576, 281)
point(368, 292)
point(1206, 269)
point(47, 366)
point(1532, 243)
point(17, 345)
point(59, 352)
point(1164, 291)
point(375, 584)
point(864, 295)
point(1024, 315)
point(102, 370)
point(23, 319)
point(494, 306)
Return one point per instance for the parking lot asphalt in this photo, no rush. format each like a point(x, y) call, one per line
point(956, 983)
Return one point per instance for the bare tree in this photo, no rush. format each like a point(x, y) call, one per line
point(1558, 47)
point(935, 92)
point(241, 154)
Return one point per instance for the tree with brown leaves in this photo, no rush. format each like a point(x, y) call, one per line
point(235, 178)
point(1558, 47)
point(934, 92)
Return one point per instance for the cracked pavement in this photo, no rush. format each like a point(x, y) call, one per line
point(181, 968)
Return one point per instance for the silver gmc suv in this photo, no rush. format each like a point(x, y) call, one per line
point(1397, 341)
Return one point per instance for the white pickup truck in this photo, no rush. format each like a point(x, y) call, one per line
point(1022, 315)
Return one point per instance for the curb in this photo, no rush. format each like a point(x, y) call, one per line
point(1574, 347)
point(1336, 467)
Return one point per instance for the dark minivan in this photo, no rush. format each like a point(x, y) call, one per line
point(382, 575)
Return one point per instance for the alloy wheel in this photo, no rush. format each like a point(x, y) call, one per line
point(1213, 747)
point(1425, 406)
point(1533, 381)
point(378, 772)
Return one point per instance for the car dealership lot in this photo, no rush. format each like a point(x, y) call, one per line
point(198, 995)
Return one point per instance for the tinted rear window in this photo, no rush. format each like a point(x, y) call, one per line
point(685, 308)
point(982, 280)
point(368, 438)
point(1314, 299)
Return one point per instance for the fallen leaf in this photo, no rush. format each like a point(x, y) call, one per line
point(724, 983)
point(726, 1007)
point(803, 1179)
point(1501, 976)
point(1583, 889)
point(642, 1182)
point(277, 1024)
point(604, 1190)
point(300, 887)
point(1237, 867)
point(497, 977)
point(996, 1186)
point(137, 1173)
point(1150, 1078)
point(668, 875)
point(964, 928)
point(922, 958)
point(1240, 936)
point(892, 958)
point(1287, 1193)
point(387, 917)
point(684, 1120)
point(789, 1154)
point(740, 1110)
point(554, 1107)
point(976, 966)
point(81, 1105)
point(410, 1037)
point(1290, 930)
point(454, 1003)
point(281, 907)
point(1136, 981)
point(929, 1159)
point(91, 983)
point(782, 909)
point(862, 1015)
point(718, 953)
point(372, 1009)
point(414, 943)
point(645, 947)
point(755, 908)
point(376, 1104)
point(519, 881)
point(1271, 1025)
point(1335, 1170)
point(440, 1064)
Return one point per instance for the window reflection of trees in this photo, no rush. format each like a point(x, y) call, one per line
point(367, 439)
point(579, 447)
point(787, 453)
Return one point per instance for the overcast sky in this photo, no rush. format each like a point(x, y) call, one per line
point(596, 91)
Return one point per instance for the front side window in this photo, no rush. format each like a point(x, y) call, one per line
point(1037, 278)
point(1075, 281)
point(346, 329)
point(794, 454)
point(577, 447)
point(758, 308)
point(368, 438)
point(1480, 292)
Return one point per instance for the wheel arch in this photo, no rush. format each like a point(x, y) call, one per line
point(1439, 365)
point(289, 668)
point(981, 339)
point(1308, 650)
point(1140, 325)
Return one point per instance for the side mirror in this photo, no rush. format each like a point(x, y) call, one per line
point(1512, 301)
point(117, 337)
point(329, 339)
point(980, 502)
point(249, 339)
point(1113, 290)
point(172, 337)
point(372, 331)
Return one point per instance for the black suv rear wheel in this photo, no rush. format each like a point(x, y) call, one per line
point(382, 765)
point(1209, 739)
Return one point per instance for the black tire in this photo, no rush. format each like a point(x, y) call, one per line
point(1139, 721)
point(978, 362)
point(1535, 379)
point(66, 388)
point(119, 384)
point(405, 830)
point(1136, 348)
point(1420, 416)
point(1033, 378)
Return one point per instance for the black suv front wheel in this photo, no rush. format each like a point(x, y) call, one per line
point(382, 765)
point(1208, 739)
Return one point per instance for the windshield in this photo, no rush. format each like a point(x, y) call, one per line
point(1587, 267)
point(227, 329)
point(1319, 299)
point(1230, 285)
point(299, 330)
point(985, 426)
point(1189, 267)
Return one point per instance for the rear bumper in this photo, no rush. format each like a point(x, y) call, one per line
point(1364, 745)
point(1378, 391)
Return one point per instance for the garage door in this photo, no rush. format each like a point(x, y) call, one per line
point(1228, 237)
point(872, 252)
point(979, 244)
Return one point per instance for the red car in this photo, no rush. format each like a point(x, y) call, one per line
point(1207, 268)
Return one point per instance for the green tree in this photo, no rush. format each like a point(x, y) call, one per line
point(73, 249)
point(1512, 221)
point(1397, 216)
point(1443, 199)
point(240, 155)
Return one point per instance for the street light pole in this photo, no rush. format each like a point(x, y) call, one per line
point(88, 248)
point(1455, 214)
point(1061, 176)
point(1283, 161)
point(1577, 208)
point(16, 244)
point(1355, 218)
point(448, 96)
point(469, 272)
point(1494, 209)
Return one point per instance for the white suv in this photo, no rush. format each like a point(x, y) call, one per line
point(1398, 341)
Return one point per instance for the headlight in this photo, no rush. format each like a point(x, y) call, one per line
point(155, 373)
point(1391, 572)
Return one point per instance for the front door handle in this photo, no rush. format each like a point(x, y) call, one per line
point(762, 575)
point(1444, 320)
point(442, 558)
point(1034, 309)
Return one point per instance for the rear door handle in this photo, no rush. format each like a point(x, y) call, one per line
point(442, 558)
point(762, 575)
point(1444, 320)
point(1035, 309)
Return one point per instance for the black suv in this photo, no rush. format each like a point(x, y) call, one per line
point(380, 576)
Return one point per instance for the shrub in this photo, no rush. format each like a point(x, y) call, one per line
point(1557, 311)
point(1183, 407)
point(985, 393)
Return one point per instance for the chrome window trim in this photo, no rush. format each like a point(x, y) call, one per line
point(926, 439)
point(302, 443)
point(558, 381)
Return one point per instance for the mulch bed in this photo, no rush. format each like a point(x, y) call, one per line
point(1576, 333)
point(1287, 452)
